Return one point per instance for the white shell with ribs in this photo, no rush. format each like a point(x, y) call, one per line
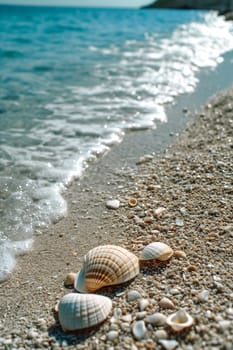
point(106, 265)
point(80, 311)
point(156, 251)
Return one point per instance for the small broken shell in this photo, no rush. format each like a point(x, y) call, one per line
point(80, 311)
point(156, 251)
point(106, 265)
point(132, 202)
point(179, 321)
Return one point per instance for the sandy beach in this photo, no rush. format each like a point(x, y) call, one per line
point(192, 180)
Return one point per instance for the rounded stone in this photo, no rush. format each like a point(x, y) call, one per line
point(112, 335)
point(113, 204)
point(139, 330)
point(156, 319)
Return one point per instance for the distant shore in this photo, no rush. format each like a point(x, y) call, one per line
point(192, 180)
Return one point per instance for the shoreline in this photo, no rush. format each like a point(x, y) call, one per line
point(193, 174)
point(28, 297)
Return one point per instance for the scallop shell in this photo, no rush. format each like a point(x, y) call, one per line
point(105, 266)
point(80, 311)
point(179, 321)
point(156, 251)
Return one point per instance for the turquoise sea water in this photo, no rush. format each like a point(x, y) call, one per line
point(73, 82)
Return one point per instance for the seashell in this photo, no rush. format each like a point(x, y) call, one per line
point(80, 311)
point(179, 321)
point(166, 303)
point(156, 251)
point(106, 265)
point(132, 202)
point(69, 280)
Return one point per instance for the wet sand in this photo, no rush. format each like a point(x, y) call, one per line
point(191, 177)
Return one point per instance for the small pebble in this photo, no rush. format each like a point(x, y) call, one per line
point(139, 330)
point(166, 303)
point(168, 344)
point(143, 303)
point(156, 319)
point(112, 335)
point(113, 204)
point(161, 334)
point(179, 222)
point(133, 295)
point(179, 254)
point(140, 315)
point(203, 295)
point(224, 325)
point(127, 318)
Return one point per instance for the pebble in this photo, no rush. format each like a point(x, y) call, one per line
point(156, 319)
point(69, 280)
point(113, 204)
point(224, 325)
point(125, 326)
point(133, 295)
point(112, 335)
point(127, 318)
point(203, 295)
point(159, 211)
point(140, 315)
point(143, 303)
point(179, 254)
point(179, 222)
point(174, 291)
point(139, 330)
point(230, 311)
point(146, 158)
point(166, 303)
point(161, 334)
point(168, 344)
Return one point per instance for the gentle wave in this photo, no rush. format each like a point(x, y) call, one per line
point(64, 109)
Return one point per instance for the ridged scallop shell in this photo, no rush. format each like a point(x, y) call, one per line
point(179, 321)
point(105, 266)
point(156, 251)
point(80, 311)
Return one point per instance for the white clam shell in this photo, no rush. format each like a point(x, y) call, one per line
point(156, 251)
point(179, 321)
point(80, 311)
point(106, 265)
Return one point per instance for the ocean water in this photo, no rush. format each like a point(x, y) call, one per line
point(73, 83)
